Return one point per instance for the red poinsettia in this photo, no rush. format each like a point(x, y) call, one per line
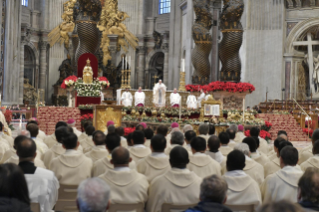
point(263, 134)
point(223, 86)
point(69, 81)
point(8, 116)
point(128, 130)
point(104, 81)
point(267, 126)
point(306, 131)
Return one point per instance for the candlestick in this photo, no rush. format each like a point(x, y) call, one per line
point(183, 65)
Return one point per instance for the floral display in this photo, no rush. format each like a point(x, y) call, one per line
point(263, 134)
point(223, 86)
point(86, 118)
point(69, 82)
point(267, 126)
point(86, 107)
point(104, 82)
point(168, 111)
point(91, 90)
point(128, 130)
point(308, 131)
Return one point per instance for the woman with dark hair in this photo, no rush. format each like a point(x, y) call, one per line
point(14, 194)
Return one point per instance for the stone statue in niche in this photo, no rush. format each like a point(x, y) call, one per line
point(88, 73)
point(158, 38)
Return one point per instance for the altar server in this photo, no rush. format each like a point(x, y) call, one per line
point(201, 98)
point(139, 151)
point(157, 163)
point(72, 167)
point(99, 150)
point(43, 186)
point(175, 99)
point(102, 165)
point(283, 185)
point(191, 101)
point(127, 185)
point(200, 163)
point(71, 123)
point(178, 186)
point(127, 98)
point(139, 97)
point(159, 94)
point(51, 140)
point(242, 189)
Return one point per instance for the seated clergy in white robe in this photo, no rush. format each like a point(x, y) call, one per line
point(57, 149)
point(42, 184)
point(177, 139)
point(257, 156)
point(157, 163)
point(188, 136)
point(51, 140)
point(178, 186)
point(306, 153)
point(41, 135)
point(104, 164)
point(239, 134)
point(139, 151)
point(127, 98)
point(71, 123)
point(314, 160)
point(191, 101)
point(127, 185)
point(200, 163)
point(224, 140)
point(72, 167)
point(201, 98)
point(203, 130)
point(252, 168)
point(159, 94)
point(242, 189)
point(175, 99)
point(139, 98)
point(232, 134)
point(263, 145)
point(99, 150)
point(213, 150)
point(120, 132)
point(88, 143)
point(283, 185)
point(41, 146)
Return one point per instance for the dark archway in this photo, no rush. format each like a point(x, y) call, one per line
point(156, 69)
point(30, 66)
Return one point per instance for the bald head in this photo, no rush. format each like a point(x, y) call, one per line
point(26, 149)
point(120, 157)
point(178, 157)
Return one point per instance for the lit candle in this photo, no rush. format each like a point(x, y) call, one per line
point(20, 121)
point(183, 65)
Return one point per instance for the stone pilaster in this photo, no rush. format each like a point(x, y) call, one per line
point(165, 48)
point(21, 73)
point(43, 64)
point(140, 65)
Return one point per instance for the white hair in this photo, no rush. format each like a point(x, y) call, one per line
point(187, 127)
point(244, 148)
point(93, 195)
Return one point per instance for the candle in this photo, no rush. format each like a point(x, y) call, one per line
point(20, 122)
point(183, 65)
point(122, 63)
point(180, 108)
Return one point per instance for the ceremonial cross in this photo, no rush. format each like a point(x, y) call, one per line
point(309, 43)
point(155, 78)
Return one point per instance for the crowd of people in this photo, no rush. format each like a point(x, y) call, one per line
point(201, 170)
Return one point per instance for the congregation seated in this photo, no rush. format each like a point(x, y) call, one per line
point(156, 163)
point(252, 168)
point(309, 190)
point(14, 193)
point(139, 151)
point(242, 189)
point(306, 153)
point(213, 150)
point(259, 157)
point(263, 144)
point(41, 134)
point(231, 133)
point(200, 163)
point(71, 123)
point(224, 140)
point(174, 128)
point(148, 135)
point(177, 186)
point(51, 140)
point(42, 184)
point(177, 139)
point(211, 130)
point(187, 127)
point(100, 166)
point(239, 134)
point(203, 131)
point(283, 185)
point(163, 130)
point(87, 144)
point(99, 150)
point(120, 132)
point(314, 160)
point(213, 194)
point(41, 146)
point(188, 136)
point(72, 167)
point(127, 185)
point(273, 154)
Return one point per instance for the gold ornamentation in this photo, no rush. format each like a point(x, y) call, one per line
point(210, 101)
point(105, 113)
point(182, 82)
point(88, 73)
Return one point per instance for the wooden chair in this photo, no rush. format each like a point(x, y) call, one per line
point(138, 207)
point(35, 207)
point(67, 199)
point(167, 207)
point(241, 208)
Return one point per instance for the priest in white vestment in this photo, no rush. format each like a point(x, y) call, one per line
point(99, 150)
point(51, 140)
point(88, 143)
point(306, 153)
point(43, 186)
point(283, 185)
point(232, 134)
point(7, 138)
point(159, 94)
point(257, 156)
point(177, 139)
point(139, 97)
point(71, 123)
point(240, 134)
point(41, 146)
point(139, 151)
point(127, 185)
point(4, 122)
point(188, 136)
point(314, 160)
point(178, 186)
point(175, 99)
point(104, 164)
point(224, 140)
point(201, 98)
point(72, 167)
point(157, 163)
point(127, 98)
point(242, 189)
point(213, 150)
point(200, 163)
point(263, 145)
point(191, 101)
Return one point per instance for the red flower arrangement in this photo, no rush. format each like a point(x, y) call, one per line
point(69, 81)
point(223, 86)
point(8, 116)
point(128, 130)
point(263, 134)
point(104, 81)
point(267, 126)
point(305, 130)
point(86, 118)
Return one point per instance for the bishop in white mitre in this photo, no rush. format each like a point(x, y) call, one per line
point(139, 97)
point(159, 94)
point(127, 98)
point(191, 101)
point(201, 98)
point(175, 98)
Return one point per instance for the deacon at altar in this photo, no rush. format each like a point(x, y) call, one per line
point(201, 98)
point(191, 101)
point(159, 94)
point(127, 98)
point(139, 97)
point(4, 122)
point(175, 98)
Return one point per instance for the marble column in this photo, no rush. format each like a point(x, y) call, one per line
point(21, 73)
point(140, 66)
point(165, 48)
point(43, 64)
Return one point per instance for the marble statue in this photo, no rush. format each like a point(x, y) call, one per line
point(88, 73)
